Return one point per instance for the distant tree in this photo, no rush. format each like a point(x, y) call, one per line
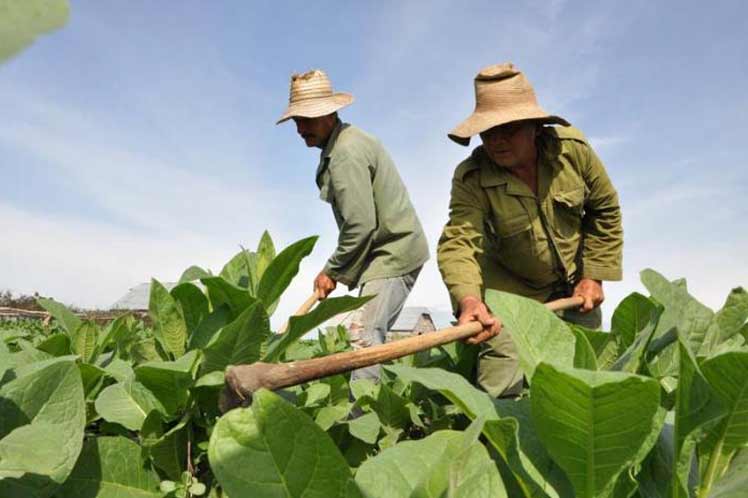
point(22, 302)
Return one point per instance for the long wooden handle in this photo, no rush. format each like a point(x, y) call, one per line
point(243, 380)
point(566, 303)
point(303, 310)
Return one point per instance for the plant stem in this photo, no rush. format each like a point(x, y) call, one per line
point(714, 457)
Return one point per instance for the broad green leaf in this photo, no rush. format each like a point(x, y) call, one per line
point(595, 425)
point(630, 317)
point(390, 439)
point(727, 374)
point(113, 333)
point(391, 408)
point(300, 325)
point(32, 451)
point(111, 467)
point(239, 342)
point(213, 380)
point(695, 406)
point(282, 269)
point(584, 355)
point(92, 378)
point(601, 342)
point(538, 334)
point(28, 362)
point(127, 403)
point(467, 472)
point(316, 393)
point(193, 302)
point(56, 345)
point(169, 381)
point(682, 311)
point(366, 427)
point(85, 339)
point(726, 322)
point(241, 270)
point(22, 22)
point(45, 409)
point(340, 393)
point(167, 319)
point(222, 292)
point(363, 387)
point(455, 388)
point(119, 370)
point(144, 350)
point(633, 358)
point(169, 451)
point(444, 464)
point(265, 254)
point(655, 478)
point(288, 454)
point(208, 327)
point(327, 416)
point(517, 441)
point(735, 481)
point(193, 273)
point(59, 312)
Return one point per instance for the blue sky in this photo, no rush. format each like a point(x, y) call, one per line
point(140, 138)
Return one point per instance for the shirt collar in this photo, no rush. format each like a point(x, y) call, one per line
point(339, 127)
point(327, 151)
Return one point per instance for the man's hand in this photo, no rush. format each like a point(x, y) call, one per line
point(473, 309)
point(592, 293)
point(324, 285)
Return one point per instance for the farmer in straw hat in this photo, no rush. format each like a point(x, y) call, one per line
point(532, 212)
point(381, 245)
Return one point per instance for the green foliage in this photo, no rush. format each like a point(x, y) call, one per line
point(42, 416)
point(22, 22)
point(595, 425)
point(129, 409)
point(288, 454)
point(538, 335)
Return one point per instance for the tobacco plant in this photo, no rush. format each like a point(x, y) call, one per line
point(656, 407)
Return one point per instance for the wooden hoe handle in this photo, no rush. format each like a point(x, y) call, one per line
point(566, 303)
point(243, 380)
point(303, 310)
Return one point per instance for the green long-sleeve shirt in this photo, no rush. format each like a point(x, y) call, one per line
point(380, 233)
point(500, 235)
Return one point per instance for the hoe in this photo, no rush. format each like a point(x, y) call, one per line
point(243, 380)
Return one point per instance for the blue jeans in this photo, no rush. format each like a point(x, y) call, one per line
point(368, 325)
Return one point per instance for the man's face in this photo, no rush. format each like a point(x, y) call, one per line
point(511, 145)
point(315, 131)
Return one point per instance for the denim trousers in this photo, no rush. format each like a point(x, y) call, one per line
point(368, 325)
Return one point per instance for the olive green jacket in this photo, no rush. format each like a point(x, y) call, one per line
point(380, 234)
point(500, 235)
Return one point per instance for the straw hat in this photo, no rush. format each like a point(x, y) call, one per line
point(312, 96)
point(502, 95)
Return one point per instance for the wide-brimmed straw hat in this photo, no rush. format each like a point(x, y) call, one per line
point(502, 95)
point(312, 96)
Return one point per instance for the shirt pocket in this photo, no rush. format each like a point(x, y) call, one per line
point(568, 206)
point(515, 235)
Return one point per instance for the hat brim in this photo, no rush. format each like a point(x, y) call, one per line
point(314, 108)
point(478, 122)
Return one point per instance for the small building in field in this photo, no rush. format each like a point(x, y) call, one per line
point(417, 320)
point(137, 298)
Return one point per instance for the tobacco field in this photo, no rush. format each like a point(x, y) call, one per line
point(656, 407)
